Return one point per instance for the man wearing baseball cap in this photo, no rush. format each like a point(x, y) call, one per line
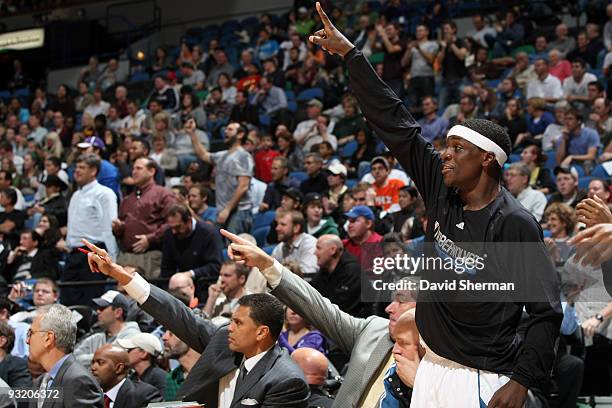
point(112, 308)
point(108, 175)
point(360, 230)
point(336, 179)
point(143, 349)
point(567, 187)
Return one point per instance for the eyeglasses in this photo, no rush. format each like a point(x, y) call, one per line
point(30, 332)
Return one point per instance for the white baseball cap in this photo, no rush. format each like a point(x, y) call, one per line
point(146, 341)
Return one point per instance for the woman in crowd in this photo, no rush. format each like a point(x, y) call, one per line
point(48, 228)
point(190, 106)
point(300, 334)
point(347, 127)
point(29, 176)
point(366, 151)
point(161, 61)
point(316, 224)
point(561, 220)
point(227, 89)
point(540, 178)
point(288, 149)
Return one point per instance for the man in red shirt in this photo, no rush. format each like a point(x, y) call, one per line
point(387, 190)
point(360, 232)
point(263, 159)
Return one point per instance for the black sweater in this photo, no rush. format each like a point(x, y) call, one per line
point(477, 334)
point(201, 252)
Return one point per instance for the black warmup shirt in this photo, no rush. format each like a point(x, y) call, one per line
point(474, 333)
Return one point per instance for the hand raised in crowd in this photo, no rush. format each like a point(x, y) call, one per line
point(190, 126)
point(100, 262)
point(593, 211)
point(18, 291)
point(330, 38)
point(593, 245)
point(245, 253)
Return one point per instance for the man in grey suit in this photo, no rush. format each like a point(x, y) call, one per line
point(51, 338)
point(241, 364)
point(368, 341)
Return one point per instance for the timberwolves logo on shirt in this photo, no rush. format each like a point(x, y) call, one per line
point(453, 256)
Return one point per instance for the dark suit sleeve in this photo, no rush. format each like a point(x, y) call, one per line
point(212, 247)
point(18, 374)
point(179, 319)
point(168, 264)
point(288, 393)
point(81, 390)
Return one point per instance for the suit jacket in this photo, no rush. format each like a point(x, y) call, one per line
point(78, 386)
point(136, 395)
point(366, 340)
point(276, 381)
point(14, 370)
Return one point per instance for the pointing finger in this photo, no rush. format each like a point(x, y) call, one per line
point(326, 22)
point(234, 238)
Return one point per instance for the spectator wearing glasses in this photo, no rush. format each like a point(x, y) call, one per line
point(143, 350)
point(51, 339)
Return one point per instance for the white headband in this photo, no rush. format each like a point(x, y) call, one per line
point(479, 140)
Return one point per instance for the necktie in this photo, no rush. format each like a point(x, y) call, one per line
point(241, 375)
point(107, 401)
point(43, 387)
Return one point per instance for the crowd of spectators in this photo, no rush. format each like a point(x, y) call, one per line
point(271, 145)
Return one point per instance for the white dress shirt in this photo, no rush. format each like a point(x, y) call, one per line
point(550, 87)
point(227, 383)
point(112, 393)
point(534, 201)
point(92, 209)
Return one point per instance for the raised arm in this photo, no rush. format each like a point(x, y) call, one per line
point(198, 147)
point(385, 112)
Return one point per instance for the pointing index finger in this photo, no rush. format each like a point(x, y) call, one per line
point(234, 238)
point(324, 18)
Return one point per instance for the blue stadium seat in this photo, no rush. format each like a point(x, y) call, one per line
point(264, 120)
point(292, 106)
point(551, 160)
point(140, 77)
point(290, 95)
point(263, 219)
point(268, 249)
point(514, 158)
point(547, 233)
point(350, 183)
point(583, 182)
point(224, 254)
point(349, 149)
point(5, 95)
point(310, 93)
point(260, 235)
point(21, 93)
point(600, 172)
point(579, 169)
point(299, 175)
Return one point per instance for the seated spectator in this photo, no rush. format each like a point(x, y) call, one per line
point(13, 370)
point(554, 131)
point(559, 67)
point(600, 119)
point(540, 178)
point(407, 200)
point(317, 180)
point(192, 77)
point(224, 295)
point(295, 244)
point(563, 42)
point(181, 287)
point(540, 48)
point(11, 219)
point(111, 75)
point(198, 202)
point(487, 106)
point(6, 180)
point(175, 348)
point(98, 106)
point(339, 276)
point(600, 188)
point(318, 132)
point(575, 87)
point(243, 111)
point(510, 34)
point(538, 119)
point(110, 367)
point(327, 153)
point(517, 182)
point(53, 203)
point(545, 85)
point(288, 149)
point(164, 94)
point(360, 230)
point(315, 366)
point(351, 122)
point(44, 292)
point(271, 71)
point(112, 310)
point(143, 350)
point(386, 188)
point(133, 123)
point(217, 109)
point(365, 152)
point(513, 119)
point(467, 110)
point(139, 152)
point(332, 200)
point(20, 329)
point(266, 47)
point(567, 187)
point(165, 157)
point(300, 334)
point(577, 143)
point(51, 338)
point(190, 247)
point(280, 182)
point(221, 65)
point(560, 221)
point(190, 107)
point(264, 156)
point(316, 224)
point(432, 126)
point(161, 124)
point(583, 50)
point(31, 260)
point(37, 132)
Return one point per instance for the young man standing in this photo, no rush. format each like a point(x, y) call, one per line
point(475, 341)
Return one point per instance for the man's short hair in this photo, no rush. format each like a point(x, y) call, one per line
point(240, 269)
point(8, 332)
point(598, 84)
point(180, 209)
point(316, 156)
point(145, 144)
point(451, 23)
point(55, 160)
point(47, 281)
point(33, 234)
point(297, 218)
point(8, 305)
point(265, 310)
point(580, 61)
point(575, 113)
point(10, 194)
point(58, 319)
point(521, 168)
point(91, 160)
point(282, 161)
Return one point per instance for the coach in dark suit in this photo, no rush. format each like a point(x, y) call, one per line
point(51, 339)
point(240, 363)
point(110, 366)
